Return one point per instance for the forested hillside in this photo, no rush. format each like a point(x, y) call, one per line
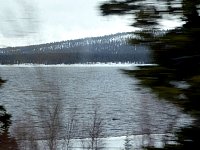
point(110, 48)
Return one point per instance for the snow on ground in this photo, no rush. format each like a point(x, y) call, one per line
point(78, 65)
point(134, 142)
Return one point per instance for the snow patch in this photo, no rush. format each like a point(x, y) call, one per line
point(98, 64)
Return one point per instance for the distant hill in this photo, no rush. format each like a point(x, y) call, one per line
point(110, 48)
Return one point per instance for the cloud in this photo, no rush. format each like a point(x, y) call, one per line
point(40, 21)
point(18, 18)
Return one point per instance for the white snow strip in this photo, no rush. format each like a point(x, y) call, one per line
point(111, 143)
point(79, 65)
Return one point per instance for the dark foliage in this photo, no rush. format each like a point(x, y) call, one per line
point(7, 142)
point(4, 119)
point(176, 77)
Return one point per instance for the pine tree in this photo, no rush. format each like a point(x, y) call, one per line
point(176, 53)
point(6, 141)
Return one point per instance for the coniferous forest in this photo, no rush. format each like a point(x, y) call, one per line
point(111, 48)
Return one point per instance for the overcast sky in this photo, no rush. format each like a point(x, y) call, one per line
point(25, 22)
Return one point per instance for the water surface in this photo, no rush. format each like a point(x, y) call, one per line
point(123, 105)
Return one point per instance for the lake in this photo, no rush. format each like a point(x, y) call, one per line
point(124, 106)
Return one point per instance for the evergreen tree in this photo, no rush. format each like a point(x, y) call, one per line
point(6, 141)
point(176, 77)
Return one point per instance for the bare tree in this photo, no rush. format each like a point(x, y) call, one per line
point(70, 128)
point(145, 123)
point(95, 131)
point(49, 109)
point(83, 133)
point(49, 129)
point(51, 124)
point(169, 131)
point(127, 144)
point(26, 135)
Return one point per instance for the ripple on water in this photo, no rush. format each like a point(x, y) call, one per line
point(123, 105)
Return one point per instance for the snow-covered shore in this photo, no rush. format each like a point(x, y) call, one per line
point(133, 142)
point(78, 65)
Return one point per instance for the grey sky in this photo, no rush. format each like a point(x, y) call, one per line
point(25, 22)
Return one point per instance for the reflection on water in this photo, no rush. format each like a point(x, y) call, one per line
point(124, 106)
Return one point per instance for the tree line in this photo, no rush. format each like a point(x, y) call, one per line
point(111, 48)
